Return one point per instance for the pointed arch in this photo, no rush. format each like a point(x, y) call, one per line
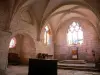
point(74, 2)
point(46, 34)
point(12, 43)
point(75, 34)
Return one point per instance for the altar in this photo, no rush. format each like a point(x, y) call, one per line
point(42, 67)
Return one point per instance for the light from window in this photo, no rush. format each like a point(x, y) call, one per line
point(12, 43)
point(75, 34)
point(47, 35)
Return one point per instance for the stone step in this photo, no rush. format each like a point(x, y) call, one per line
point(73, 61)
point(87, 65)
point(78, 68)
point(84, 67)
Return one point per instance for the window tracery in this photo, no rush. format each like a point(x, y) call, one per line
point(75, 34)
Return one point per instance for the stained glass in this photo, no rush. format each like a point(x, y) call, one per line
point(47, 34)
point(12, 43)
point(75, 34)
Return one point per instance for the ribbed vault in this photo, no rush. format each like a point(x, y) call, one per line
point(68, 12)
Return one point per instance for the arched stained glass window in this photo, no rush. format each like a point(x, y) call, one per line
point(12, 43)
point(75, 34)
point(47, 35)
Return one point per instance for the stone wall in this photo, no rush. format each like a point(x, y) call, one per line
point(63, 51)
point(49, 49)
point(4, 41)
point(21, 25)
point(4, 36)
point(4, 13)
point(28, 49)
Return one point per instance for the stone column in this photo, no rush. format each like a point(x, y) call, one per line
point(4, 47)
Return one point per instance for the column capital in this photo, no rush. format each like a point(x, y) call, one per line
point(5, 33)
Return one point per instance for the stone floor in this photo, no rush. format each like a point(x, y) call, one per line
point(23, 70)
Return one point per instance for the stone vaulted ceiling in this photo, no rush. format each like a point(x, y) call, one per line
point(41, 10)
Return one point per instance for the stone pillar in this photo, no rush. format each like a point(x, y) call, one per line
point(4, 46)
